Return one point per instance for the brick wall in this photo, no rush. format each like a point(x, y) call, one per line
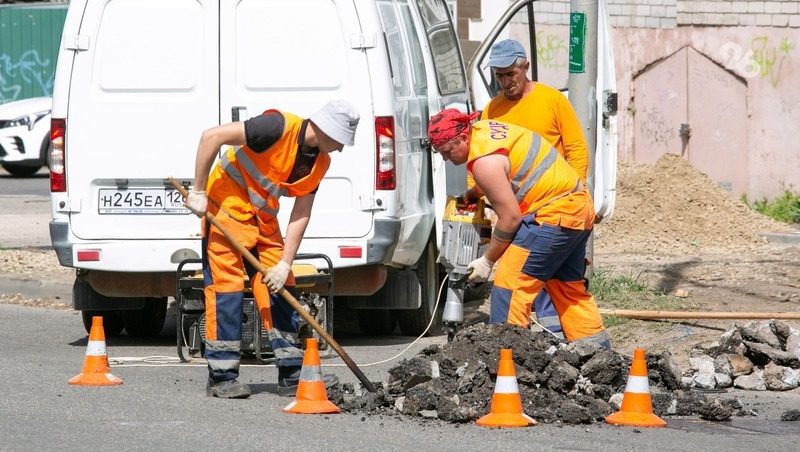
point(673, 13)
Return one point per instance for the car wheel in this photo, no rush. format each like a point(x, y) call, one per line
point(21, 170)
point(148, 321)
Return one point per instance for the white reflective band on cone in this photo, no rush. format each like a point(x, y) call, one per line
point(96, 348)
point(637, 384)
point(506, 385)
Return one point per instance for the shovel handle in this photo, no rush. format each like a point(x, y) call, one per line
point(284, 293)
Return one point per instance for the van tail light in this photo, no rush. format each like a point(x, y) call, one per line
point(58, 177)
point(385, 174)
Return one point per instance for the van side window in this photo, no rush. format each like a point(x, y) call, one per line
point(417, 60)
point(396, 49)
point(442, 41)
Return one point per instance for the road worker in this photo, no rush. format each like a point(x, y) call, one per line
point(272, 155)
point(541, 109)
point(544, 218)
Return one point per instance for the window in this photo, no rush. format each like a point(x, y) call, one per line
point(444, 46)
point(397, 51)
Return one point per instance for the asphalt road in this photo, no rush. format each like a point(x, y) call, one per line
point(164, 407)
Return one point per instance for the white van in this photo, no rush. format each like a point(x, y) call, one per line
point(138, 80)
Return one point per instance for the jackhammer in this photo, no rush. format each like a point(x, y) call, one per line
point(465, 236)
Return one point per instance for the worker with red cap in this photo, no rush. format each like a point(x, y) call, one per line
point(544, 218)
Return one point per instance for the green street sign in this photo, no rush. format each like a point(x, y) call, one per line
point(577, 43)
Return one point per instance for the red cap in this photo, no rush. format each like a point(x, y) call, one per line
point(448, 124)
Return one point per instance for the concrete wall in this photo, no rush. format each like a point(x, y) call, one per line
point(740, 59)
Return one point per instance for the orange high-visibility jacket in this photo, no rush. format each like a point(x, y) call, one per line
point(541, 179)
point(260, 177)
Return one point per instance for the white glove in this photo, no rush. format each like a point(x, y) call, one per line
point(197, 202)
point(276, 276)
point(480, 268)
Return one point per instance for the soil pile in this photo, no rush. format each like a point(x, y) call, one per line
point(557, 382)
point(672, 208)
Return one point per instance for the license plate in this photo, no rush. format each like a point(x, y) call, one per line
point(148, 201)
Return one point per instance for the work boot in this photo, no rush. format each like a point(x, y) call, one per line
point(228, 389)
point(289, 378)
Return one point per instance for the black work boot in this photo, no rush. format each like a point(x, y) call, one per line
point(289, 378)
point(228, 389)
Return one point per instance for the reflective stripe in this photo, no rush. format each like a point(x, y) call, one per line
point(637, 384)
point(224, 346)
point(259, 202)
point(310, 373)
point(232, 171)
point(537, 173)
point(223, 364)
point(525, 168)
point(506, 385)
point(96, 348)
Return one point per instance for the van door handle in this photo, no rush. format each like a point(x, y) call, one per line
point(425, 144)
point(238, 114)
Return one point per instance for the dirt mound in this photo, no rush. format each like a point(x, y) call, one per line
point(672, 208)
point(558, 383)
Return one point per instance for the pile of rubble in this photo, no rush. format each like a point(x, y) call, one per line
point(558, 383)
point(757, 356)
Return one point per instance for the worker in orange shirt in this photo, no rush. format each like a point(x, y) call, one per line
point(274, 154)
point(544, 110)
point(544, 218)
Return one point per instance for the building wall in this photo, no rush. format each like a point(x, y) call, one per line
point(754, 43)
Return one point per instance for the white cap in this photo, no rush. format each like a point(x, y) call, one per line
point(338, 119)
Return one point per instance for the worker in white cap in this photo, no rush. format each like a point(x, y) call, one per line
point(272, 155)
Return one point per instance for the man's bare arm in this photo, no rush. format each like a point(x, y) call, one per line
point(298, 221)
point(491, 174)
point(210, 142)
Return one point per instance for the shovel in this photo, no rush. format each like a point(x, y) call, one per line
point(286, 295)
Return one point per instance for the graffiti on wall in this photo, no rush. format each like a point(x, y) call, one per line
point(764, 59)
point(551, 52)
point(766, 56)
point(654, 127)
point(28, 69)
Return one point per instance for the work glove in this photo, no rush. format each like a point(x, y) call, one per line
point(276, 276)
point(197, 202)
point(479, 270)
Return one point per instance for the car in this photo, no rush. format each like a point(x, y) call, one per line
point(25, 135)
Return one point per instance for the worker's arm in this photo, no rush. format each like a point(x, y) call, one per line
point(298, 221)
point(572, 138)
point(491, 174)
point(210, 142)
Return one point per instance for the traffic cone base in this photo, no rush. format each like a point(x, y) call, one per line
point(96, 371)
point(506, 407)
point(311, 397)
point(637, 406)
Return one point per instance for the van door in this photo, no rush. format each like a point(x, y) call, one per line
point(548, 51)
point(296, 55)
point(447, 88)
point(144, 83)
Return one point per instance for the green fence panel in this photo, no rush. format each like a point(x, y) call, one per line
point(29, 40)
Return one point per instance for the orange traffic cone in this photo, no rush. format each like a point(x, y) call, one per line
point(311, 397)
point(506, 410)
point(95, 370)
point(637, 407)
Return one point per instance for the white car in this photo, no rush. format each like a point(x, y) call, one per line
point(25, 135)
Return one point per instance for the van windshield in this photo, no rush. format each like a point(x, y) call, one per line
point(444, 46)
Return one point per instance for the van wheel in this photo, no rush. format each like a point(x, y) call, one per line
point(149, 320)
point(376, 322)
point(112, 322)
point(414, 321)
point(84, 295)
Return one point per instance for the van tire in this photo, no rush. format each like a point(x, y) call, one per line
point(148, 321)
point(414, 321)
point(112, 322)
point(376, 322)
